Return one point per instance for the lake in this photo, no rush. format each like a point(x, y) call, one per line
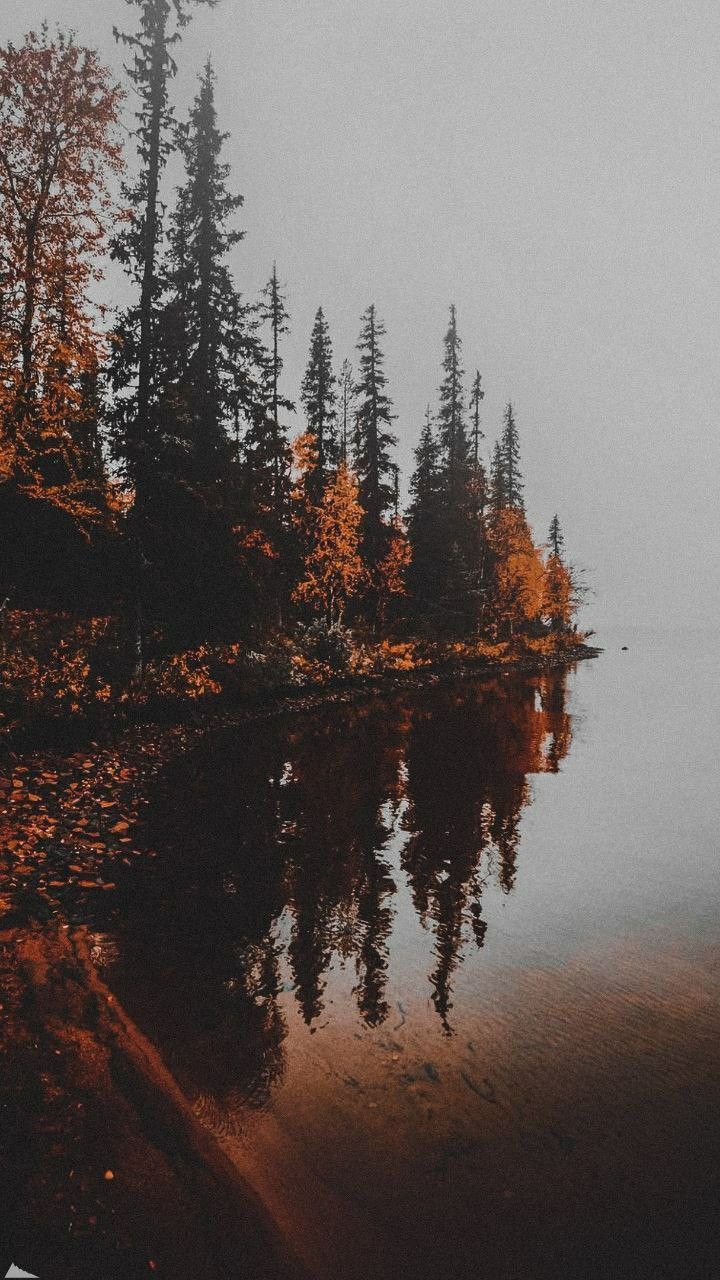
point(442, 973)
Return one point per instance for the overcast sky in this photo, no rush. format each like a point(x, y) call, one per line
point(552, 167)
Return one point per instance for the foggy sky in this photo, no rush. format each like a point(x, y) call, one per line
point(552, 167)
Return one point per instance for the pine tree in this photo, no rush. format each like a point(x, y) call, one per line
point(510, 462)
point(477, 481)
point(556, 541)
point(458, 533)
point(347, 400)
point(477, 486)
point(214, 323)
point(424, 521)
point(561, 585)
point(319, 401)
point(476, 396)
point(373, 438)
point(207, 366)
point(497, 479)
point(267, 440)
point(267, 465)
point(136, 419)
point(451, 414)
point(137, 246)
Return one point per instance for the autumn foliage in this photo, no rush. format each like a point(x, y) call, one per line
point(58, 152)
point(334, 570)
point(518, 572)
point(159, 538)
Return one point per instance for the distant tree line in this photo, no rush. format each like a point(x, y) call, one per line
point(146, 462)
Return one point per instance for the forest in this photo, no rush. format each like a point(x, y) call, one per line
point(178, 524)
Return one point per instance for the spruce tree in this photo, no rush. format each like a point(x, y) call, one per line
point(135, 420)
point(451, 414)
point(207, 374)
point(267, 449)
point(215, 324)
point(556, 542)
point(477, 486)
point(476, 396)
point(373, 438)
point(319, 401)
point(497, 479)
point(458, 533)
point(347, 399)
point(510, 462)
point(137, 246)
point(266, 465)
point(424, 523)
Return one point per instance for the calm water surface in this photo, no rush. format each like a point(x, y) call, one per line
point(443, 973)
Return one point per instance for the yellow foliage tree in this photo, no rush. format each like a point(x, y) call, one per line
point(334, 571)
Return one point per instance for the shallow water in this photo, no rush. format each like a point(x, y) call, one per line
point(443, 973)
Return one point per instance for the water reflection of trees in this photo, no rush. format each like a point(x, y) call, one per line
point(279, 852)
point(467, 771)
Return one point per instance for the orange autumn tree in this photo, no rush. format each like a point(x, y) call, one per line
point(518, 573)
point(58, 150)
point(558, 594)
point(304, 465)
point(390, 575)
point(561, 594)
point(334, 570)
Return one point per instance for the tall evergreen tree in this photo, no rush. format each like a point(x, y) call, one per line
point(477, 395)
point(266, 466)
point(347, 400)
point(208, 361)
point(510, 462)
point(451, 413)
point(267, 440)
point(497, 478)
point(458, 533)
point(563, 592)
point(319, 401)
point(556, 542)
point(136, 414)
point(215, 326)
point(424, 522)
point(477, 486)
point(477, 483)
point(137, 246)
point(373, 437)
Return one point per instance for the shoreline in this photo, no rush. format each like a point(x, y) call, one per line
point(349, 689)
point(41, 732)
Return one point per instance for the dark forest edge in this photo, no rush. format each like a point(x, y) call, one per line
point(163, 544)
point(61, 687)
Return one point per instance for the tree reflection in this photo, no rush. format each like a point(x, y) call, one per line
point(468, 761)
point(280, 853)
